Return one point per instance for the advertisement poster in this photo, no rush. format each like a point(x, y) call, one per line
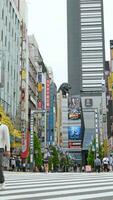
point(25, 145)
point(74, 108)
point(74, 133)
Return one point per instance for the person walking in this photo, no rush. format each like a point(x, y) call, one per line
point(97, 164)
point(4, 149)
point(105, 162)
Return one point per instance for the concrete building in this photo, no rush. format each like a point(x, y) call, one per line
point(86, 57)
point(33, 78)
point(86, 63)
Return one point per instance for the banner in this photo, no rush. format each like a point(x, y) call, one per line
point(25, 145)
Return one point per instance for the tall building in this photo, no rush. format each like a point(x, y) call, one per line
point(9, 57)
point(86, 63)
point(86, 58)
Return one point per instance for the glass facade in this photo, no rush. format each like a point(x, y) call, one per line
point(9, 57)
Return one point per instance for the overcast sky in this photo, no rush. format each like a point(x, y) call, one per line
point(47, 21)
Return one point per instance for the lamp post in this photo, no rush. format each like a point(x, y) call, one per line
point(97, 132)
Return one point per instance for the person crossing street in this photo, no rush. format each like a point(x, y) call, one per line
point(4, 149)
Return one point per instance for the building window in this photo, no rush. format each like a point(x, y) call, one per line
point(13, 13)
point(2, 35)
point(7, 87)
point(14, 74)
point(15, 18)
point(5, 40)
point(7, 3)
point(6, 20)
point(10, 7)
point(12, 32)
point(2, 13)
point(9, 26)
point(9, 46)
point(15, 36)
point(8, 66)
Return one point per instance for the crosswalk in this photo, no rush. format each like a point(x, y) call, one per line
point(58, 186)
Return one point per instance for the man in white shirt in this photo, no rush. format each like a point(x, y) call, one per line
point(4, 149)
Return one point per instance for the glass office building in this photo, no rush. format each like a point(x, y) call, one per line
point(9, 57)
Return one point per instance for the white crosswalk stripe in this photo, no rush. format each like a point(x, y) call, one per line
point(58, 186)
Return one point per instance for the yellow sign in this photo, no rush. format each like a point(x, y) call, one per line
point(109, 83)
point(23, 74)
point(39, 87)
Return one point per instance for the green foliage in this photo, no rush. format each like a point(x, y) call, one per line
point(50, 163)
point(105, 147)
point(55, 157)
point(37, 152)
point(91, 157)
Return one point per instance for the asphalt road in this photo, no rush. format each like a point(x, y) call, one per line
point(58, 186)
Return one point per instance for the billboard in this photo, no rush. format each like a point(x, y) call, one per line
point(74, 133)
point(74, 108)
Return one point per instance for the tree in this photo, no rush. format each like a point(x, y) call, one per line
point(91, 157)
point(37, 152)
point(105, 147)
point(55, 158)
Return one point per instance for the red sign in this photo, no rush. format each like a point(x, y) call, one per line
point(39, 104)
point(25, 145)
point(74, 145)
point(48, 94)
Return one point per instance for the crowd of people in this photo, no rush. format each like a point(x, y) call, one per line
point(106, 164)
point(15, 163)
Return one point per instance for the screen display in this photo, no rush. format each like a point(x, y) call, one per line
point(74, 133)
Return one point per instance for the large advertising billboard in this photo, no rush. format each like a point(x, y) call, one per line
point(74, 108)
point(74, 133)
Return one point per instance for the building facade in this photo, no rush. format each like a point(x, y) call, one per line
point(86, 57)
point(86, 63)
point(9, 57)
point(33, 77)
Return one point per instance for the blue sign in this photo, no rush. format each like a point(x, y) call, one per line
point(74, 133)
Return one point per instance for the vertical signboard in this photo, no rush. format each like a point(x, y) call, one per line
point(25, 144)
point(39, 103)
point(47, 94)
point(74, 108)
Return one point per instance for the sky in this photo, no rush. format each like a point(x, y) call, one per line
point(47, 21)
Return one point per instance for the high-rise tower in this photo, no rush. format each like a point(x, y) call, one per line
point(86, 61)
point(86, 57)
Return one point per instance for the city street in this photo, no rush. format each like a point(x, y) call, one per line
point(58, 186)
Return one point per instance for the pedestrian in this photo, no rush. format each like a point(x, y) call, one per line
point(4, 149)
point(18, 164)
point(105, 162)
point(13, 163)
point(97, 164)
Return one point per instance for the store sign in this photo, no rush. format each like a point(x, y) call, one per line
point(48, 94)
point(25, 144)
point(39, 104)
point(39, 87)
point(23, 74)
point(74, 145)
